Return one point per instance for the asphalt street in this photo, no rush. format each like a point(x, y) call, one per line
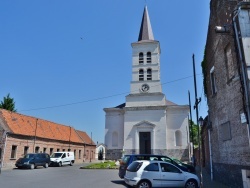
point(58, 177)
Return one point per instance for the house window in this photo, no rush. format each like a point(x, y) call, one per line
point(225, 131)
point(63, 149)
point(13, 152)
point(149, 74)
point(58, 150)
point(141, 57)
point(80, 153)
point(141, 75)
point(37, 149)
point(74, 152)
point(26, 150)
point(50, 151)
point(178, 138)
point(213, 83)
point(44, 150)
point(229, 62)
point(69, 149)
point(149, 57)
point(114, 139)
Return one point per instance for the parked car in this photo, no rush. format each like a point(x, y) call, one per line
point(190, 167)
point(159, 174)
point(32, 160)
point(128, 159)
point(62, 158)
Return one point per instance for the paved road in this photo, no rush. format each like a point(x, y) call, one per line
point(60, 177)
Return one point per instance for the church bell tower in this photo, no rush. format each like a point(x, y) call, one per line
point(145, 87)
point(145, 60)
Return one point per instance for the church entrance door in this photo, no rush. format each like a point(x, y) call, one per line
point(145, 142)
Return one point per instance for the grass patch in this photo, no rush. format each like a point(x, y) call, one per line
point(102, 165)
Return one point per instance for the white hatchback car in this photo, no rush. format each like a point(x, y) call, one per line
point(147, 174)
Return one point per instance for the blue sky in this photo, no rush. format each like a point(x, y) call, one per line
point(64, 61)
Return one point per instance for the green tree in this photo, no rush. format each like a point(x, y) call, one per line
point(8, 103)
point(193, 131)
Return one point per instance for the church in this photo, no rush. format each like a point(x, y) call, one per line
point(147, 123)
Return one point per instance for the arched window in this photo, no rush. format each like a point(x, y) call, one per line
point(178, 138)
point(141, 60)
point(149, 57)
point(141, 75)
point(149, 74)
point(114, 138)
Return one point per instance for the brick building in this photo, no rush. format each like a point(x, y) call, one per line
point(21, 134)
point(224, 89)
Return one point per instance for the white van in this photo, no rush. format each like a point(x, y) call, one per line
point(62, 158)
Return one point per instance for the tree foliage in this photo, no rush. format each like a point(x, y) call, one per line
point(8, 103)
point(193, 133)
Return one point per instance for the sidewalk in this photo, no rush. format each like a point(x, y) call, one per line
point(206, 180)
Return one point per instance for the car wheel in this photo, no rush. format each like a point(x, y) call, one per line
point(71, 164)
point(60, 164)
point(144, 184)
point(46, 165)
point(32, 166)
point(191, 184)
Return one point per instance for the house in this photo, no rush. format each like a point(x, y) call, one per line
point(225, 133)
point(21, 134)
point(147, 123)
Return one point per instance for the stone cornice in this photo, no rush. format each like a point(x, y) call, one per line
point(113, 110)
point(145, 94)
point(145, 108)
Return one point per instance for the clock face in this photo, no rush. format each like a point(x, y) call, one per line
point(144, 87)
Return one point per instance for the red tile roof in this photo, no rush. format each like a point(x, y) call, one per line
point(31, 126)
point(85, 137)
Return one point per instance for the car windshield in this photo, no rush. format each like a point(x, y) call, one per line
point(177, 161)
point(29, 156)
point(56, 155)
point(125, 159)
point(134, 167)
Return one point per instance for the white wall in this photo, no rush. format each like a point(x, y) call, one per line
point(114, 122)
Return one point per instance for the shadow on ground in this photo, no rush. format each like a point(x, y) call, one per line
point(119, 182)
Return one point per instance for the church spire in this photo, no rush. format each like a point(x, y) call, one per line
point(146, 32)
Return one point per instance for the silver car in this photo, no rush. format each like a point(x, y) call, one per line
point(147, 174)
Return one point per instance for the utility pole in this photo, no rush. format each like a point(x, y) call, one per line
point(90, 148)
point(191, 128)
point(197, 101)
point(35, 137)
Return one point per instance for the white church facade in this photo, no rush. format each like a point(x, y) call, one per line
point(147, 123)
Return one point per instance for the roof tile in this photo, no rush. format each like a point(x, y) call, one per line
point(31, 126)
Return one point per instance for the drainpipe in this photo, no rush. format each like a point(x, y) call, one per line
point(210, 146)
point(243, 69)
point(210, 154)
